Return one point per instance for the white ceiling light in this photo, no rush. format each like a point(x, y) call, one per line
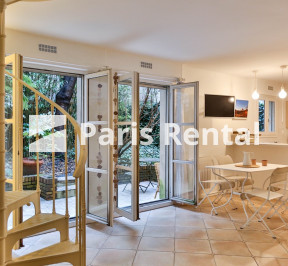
point(255, 94)
point(282, 94)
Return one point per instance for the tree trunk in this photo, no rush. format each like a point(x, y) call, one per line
point(64, 95)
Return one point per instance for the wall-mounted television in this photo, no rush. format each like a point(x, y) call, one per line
point(219, 105)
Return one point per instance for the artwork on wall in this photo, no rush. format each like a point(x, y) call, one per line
point(241, 109)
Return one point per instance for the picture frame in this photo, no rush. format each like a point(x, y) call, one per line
point(241, 109)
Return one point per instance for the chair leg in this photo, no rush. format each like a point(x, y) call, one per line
point(218, 198)
point(207, 196)
point(272, 208)
point(247, 217)
point(276, 211)
point(125, 187)
point(235, 206)
point(256, 212)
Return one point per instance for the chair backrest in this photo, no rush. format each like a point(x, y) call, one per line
point(157, 170)
point(279, 175)
point(225, 159)
point(205, 173)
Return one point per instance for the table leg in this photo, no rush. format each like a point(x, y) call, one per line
point(242, 196)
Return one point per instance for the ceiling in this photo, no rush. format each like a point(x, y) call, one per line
point(232, 36)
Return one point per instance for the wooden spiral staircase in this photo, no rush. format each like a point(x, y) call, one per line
point(73, 252)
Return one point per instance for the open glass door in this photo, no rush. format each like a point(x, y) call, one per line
point(126, 145)
point(98, 112)
point(183, 158)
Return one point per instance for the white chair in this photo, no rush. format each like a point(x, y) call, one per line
point(211, 184)
point(279, 176)
point(230, 175)
point(279, 187)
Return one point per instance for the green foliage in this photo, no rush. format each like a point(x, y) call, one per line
point(49, 85)
point(261, 115)
point(125, 103)
point(149, 111)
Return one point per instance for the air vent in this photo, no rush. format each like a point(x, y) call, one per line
point(47, 48)
point(146, 65)
point(270, 88)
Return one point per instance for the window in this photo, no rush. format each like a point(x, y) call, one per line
point(267, 115)
point(271, 120)
point(261, 115)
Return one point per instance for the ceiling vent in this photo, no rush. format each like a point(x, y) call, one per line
point(47, 48)
point(270, 88)
point(146, 65)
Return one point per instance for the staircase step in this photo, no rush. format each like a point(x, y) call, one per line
point(17, 199)
point(65, 251)
point(39, 220)
point(37, 224)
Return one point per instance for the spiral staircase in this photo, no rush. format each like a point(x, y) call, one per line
point(66, 250)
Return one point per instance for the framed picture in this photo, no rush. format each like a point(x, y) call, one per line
point(241, 109)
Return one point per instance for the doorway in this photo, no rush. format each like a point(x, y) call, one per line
point(152, 111)
point(135, 171)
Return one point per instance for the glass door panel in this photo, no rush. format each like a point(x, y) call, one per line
point(182, 108)
point(183, 152)
point(183, 158)
point(126, 150)
point(97, 112)
point(184, 181)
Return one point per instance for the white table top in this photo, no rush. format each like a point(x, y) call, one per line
point(232, 167)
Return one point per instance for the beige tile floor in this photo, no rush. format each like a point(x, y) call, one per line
point(180, 235)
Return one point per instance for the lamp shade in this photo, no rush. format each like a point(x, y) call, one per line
point(255, 95)
point(282, 94)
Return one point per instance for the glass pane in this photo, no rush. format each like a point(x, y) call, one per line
point(98, 99)
point(184, 181)
point(8, 97)
point(184, 105)
point(124, 102)
point(98, 194)
point(97, 154)
point(271, 116)
point(124, 146)
point(8, 154)
point(152, 157)
point(124, 198)
point(184, 152)
point(49, 85)
point(261, 111)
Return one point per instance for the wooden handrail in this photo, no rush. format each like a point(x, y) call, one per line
point(80, 167)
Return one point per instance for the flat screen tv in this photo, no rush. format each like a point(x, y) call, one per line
point(219, 105)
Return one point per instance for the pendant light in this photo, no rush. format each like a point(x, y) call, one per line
point(255, 94)
point(282, 94)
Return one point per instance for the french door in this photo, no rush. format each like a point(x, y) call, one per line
point(126, 145)
point(183, 158)
point(98, 113)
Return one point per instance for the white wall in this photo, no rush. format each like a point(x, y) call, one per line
point(242, 88)
point(83, 58)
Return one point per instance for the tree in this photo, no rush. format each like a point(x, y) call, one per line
point(64, 95)
point(149, 116)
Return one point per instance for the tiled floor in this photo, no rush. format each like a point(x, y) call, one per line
point(181, 236)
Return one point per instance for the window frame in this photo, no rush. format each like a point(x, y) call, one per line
point(267, 99)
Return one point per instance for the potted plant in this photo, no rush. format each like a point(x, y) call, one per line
point(30, 165)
